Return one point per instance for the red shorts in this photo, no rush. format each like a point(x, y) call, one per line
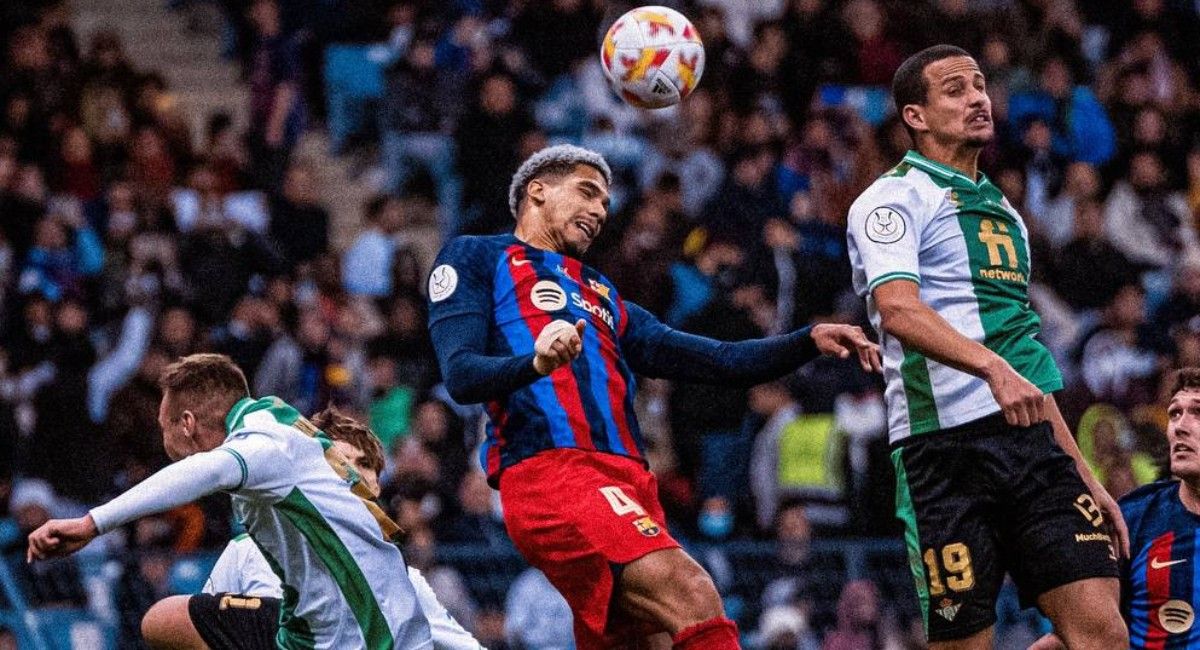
point(578, 516)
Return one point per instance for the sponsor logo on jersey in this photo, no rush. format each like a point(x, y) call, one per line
point(647, 527)
point(1092, 537)
point(885, 226)
point(1176, 616)
point(548, 296)
point(442, 283)
point(596, 310)
point(948, 609)
point(518, 262)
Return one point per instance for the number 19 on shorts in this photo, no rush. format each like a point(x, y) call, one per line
point(949, 568)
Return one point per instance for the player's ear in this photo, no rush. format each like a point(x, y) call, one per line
point(188, 420)
point(914, 116)
point(536, 191)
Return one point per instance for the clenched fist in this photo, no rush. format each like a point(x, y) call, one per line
point(558, 344)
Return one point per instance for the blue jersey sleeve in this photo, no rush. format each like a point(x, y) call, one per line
point(460, 315)
point(656, 350)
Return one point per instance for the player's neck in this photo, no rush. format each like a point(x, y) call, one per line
point(535, 237)
point(1189, 494)
point(958, 156)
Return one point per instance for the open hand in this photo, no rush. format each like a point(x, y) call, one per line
point(60, 537)
point(835, 340)
point(558, 344)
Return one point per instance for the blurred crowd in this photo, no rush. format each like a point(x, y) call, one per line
point(129, 237)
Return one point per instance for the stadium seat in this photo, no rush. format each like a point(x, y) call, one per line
point(353, 80)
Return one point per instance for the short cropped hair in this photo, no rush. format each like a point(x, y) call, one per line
point(909, 86)
point(339, 426)
point(556, 161)
point(1186, 379)
point(206, 384)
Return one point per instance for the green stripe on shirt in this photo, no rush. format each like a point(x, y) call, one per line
point(242, 463)
point(344, 570)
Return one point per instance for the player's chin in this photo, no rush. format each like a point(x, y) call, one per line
point(1186, 465)
point(576, 248)
point(980, 137)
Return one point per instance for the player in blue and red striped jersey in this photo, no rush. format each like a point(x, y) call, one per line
point(519, 323)
point(1161, 585)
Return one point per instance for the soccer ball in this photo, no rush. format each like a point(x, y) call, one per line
point(653, 57)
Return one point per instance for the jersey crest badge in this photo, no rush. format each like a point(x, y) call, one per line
point(948, 609)
point(601, 289)
point(442, 283)
point(885, 226)
point(647, 527)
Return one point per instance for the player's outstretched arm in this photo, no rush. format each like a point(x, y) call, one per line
point(920, 328)
point(183, 482)
point(656, 350)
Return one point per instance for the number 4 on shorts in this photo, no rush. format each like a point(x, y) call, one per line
point(621, 504)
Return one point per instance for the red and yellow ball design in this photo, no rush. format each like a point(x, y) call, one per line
point(653, 57)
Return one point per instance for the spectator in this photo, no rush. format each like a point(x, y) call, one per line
point(1056, 221)
point(1117, 358)
point(476, 523)
point(1079, 126)
point(218, 259)
point(299, 223)
point(420, 112)
point(374, 249)
point(775, 403)
point(488, 145)
point(66, 253)
point(1089, 270)
point(277, 112)
point(860, 623)
point(876, 54)
point(1147, 221)
point(536, 615)
point(300, 369)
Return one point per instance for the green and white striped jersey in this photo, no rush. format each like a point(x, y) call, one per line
point(968, 249)
point(344, 585)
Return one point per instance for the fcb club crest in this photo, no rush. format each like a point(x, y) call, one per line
point(647, 527)
point(599, 288)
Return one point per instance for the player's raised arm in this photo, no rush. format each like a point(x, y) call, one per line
point(656, 350)
point(179, 483)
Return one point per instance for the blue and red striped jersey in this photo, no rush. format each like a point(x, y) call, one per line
point(1161, 582)
point(587, 404)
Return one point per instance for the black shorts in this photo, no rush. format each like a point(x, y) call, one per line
point(985, 498)
point(235, 622)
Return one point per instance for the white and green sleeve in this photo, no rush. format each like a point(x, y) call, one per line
point(193, 477)
point(884, 232)
point(447, 633)
point(265, 461)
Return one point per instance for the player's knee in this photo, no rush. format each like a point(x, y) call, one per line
point(694, 590)
point(1099, 632)
point(165, 625)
